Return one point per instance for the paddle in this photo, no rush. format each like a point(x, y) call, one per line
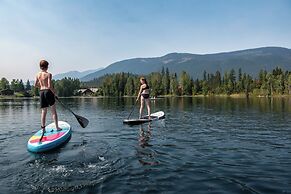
point(132, 109)
point(82, 120)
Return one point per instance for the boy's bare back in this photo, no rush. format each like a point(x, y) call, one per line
point(43, 80)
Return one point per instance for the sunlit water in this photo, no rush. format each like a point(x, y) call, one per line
point(205, 145)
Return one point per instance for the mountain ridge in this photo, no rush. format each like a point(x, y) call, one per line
point(249, 60)
point(75, 74)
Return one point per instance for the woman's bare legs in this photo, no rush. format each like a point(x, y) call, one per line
point(141, 106)
point(148, 103)
point(55, 117)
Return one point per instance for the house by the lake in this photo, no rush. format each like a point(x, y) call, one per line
point(87, 91)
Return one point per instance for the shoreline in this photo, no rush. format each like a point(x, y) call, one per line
point(158, 97)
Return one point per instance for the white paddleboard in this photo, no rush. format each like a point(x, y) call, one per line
point(154, 116)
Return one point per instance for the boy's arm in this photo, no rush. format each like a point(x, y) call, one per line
point(50, 84)
point(36, 83)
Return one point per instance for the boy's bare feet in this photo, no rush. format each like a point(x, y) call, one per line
point(59, 129)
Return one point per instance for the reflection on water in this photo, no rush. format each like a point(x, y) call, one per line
point(146, 154)
point(206, 145)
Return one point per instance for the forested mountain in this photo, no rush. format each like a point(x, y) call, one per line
point(275, 82)
point(250, 61)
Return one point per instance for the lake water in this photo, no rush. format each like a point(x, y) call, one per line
point(204, 145)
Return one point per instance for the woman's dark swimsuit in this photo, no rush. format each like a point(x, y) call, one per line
point(145, 96)
point(47, 98)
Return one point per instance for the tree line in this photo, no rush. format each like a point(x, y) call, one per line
point(275, 82)
point(15, 86)
point(63, 87)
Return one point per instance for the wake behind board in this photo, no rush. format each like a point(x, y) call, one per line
point(51, 139)
point(154, 116)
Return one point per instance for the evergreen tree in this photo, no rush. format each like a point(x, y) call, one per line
point(27, 86)
point(275, 82)
point(66, 86)
point(129, 87)
point(35, 91)
point(205, 88)
point(4, 84)
point(166, 82)
point(174, 85)
point(289, 84)
point(156, 83)
point(196, 89)
point(239, 85)
point(204, 76)
point(13, 85)
point(163, 71)
point(270, 84)
point(20, 86)
point(247, 85)
point(186, 84)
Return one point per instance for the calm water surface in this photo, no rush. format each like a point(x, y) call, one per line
point(205, 145)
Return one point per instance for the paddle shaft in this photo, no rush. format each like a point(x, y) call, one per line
point(132, 109)
point(65, 106)
point(82, 120)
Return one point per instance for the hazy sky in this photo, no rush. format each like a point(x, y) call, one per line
point(84, 34)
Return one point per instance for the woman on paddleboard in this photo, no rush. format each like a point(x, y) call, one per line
point(47, 95)
point(144, 95)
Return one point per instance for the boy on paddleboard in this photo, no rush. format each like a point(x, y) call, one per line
point(144, 95)
point(47, 95)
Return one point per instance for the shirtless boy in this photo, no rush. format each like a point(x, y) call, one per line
point(47, 95)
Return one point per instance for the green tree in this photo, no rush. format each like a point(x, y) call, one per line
point(35, 91)
point(13, 85)
point(280, 84)
point(166, 82)
point(239, 84)
point(270, 84)
point(4, 84)
point(205, 88)
point(204, 75)
point(196, 89)
point(20, 86)
point(156, 83)
point(174, 85)
point(289, 83)
point(129, 86)
point(66, 86)
point(186, 83)
point(27, 86)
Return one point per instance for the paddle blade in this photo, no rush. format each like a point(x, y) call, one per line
point(82, 121)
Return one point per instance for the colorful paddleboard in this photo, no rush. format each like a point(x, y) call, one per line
point(154, 116)
point(51, 139)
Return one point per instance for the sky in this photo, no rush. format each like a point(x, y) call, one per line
point(89, 34)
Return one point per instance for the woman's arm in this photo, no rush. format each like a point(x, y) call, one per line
point(140, 90)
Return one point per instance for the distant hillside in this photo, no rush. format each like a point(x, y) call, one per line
point(75, 74)
point(250, 61)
